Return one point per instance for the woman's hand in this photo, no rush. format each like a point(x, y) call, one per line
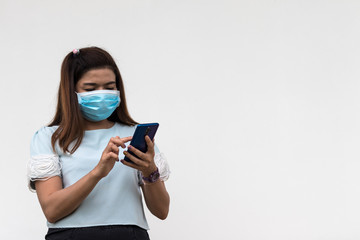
point(109, 156)
point(156, 197)
point(58, 202)
point(144, 162)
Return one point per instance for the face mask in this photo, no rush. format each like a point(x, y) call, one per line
point(98, 105)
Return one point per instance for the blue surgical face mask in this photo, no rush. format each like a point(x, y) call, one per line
point(98, 105)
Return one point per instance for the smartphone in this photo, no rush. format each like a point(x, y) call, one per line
point(138, 140)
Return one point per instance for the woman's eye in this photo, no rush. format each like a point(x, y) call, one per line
point(89, 89)
point(110, 88)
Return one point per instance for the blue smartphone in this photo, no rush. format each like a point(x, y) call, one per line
point(138, 140)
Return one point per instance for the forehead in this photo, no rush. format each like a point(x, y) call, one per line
point(102, 75)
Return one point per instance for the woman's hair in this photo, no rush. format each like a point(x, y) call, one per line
point(68, 115)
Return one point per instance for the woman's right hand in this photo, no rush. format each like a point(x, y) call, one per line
point(109, 156)
point(58, 202)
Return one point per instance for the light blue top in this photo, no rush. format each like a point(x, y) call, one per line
point(116, 199)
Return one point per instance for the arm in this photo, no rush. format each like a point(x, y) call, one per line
point(58, 202)
point(156, 197)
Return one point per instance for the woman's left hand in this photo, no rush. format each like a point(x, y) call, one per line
point(156, 197)
point(144, 162)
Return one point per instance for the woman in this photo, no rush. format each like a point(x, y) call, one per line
point(83, 190)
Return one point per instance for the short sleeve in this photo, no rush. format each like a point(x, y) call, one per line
point(44, 163)
point(162, 164)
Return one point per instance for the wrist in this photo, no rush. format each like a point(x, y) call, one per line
point(149, 171)
point(95, 174)
point(153, 177)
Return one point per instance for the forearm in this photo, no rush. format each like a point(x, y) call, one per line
point(157, 199)
point(63, 202)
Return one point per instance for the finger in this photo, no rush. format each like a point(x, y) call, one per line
point(108, 147)
point(120, 141)
point(117, 141)
point(114, 156)
point(111, 147)
point(130, 164)
point(111, 157)
point(137, 152)
point(135, 160)
point(114, 148)
point(126, 139)
point(150, 144)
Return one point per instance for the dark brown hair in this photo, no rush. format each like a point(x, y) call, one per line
point(68, 115)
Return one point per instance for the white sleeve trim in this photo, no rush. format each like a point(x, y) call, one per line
point(163, 166)
point(42, 167)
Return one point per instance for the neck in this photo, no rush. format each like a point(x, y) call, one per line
point(98, 125)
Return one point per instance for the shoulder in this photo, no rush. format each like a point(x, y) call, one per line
point(45, 131)
point(41, 140)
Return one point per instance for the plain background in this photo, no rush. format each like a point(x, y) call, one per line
point(258, 104)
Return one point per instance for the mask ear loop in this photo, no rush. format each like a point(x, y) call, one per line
point(78, 97)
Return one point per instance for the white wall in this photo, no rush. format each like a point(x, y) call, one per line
point(258, 104)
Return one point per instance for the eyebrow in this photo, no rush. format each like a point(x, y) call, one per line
point(94, 84)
